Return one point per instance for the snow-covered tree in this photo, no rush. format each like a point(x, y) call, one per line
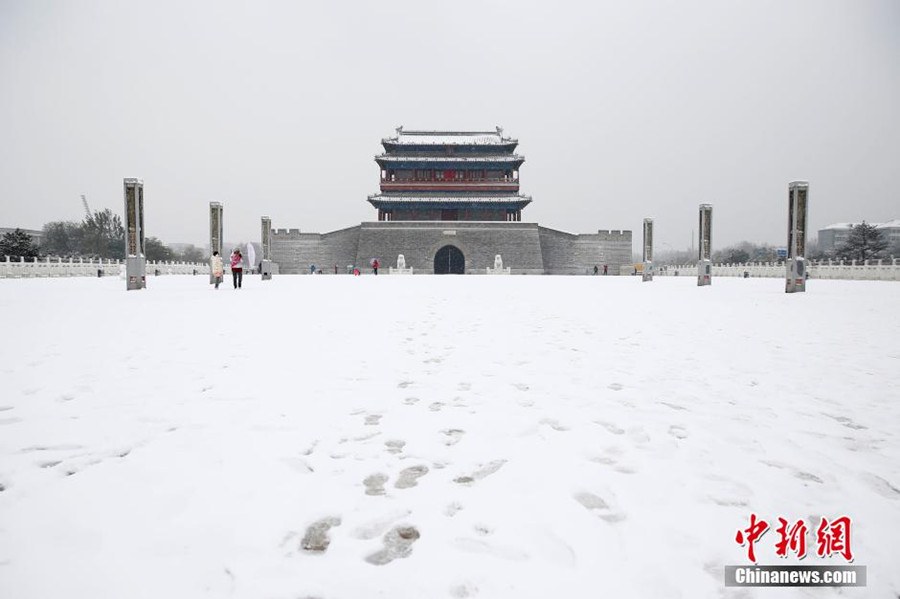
point(17, 244)
point(865, 242)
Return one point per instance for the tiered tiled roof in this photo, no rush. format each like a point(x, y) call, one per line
point(472, 170)
point(449, 138)
point(504, 158)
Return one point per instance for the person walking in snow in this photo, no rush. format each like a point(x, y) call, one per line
point(375, 266)
point(237, 268)
point(218, 269)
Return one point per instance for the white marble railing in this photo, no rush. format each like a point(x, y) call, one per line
point(72, 267)
point(870, 270)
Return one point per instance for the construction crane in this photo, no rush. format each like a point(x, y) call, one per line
point(87, 208)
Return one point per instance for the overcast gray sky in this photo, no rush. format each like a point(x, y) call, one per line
point(623, 109)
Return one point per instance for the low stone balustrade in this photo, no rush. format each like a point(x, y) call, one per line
point(79, 267)
point(869, 270)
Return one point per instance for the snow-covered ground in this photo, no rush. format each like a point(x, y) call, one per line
point(496, 437)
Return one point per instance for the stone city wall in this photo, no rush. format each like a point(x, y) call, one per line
point(526, 248)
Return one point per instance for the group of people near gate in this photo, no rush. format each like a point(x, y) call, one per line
point(237, 268)
point(314, 270)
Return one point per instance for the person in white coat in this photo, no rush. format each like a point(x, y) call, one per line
point(218, 268)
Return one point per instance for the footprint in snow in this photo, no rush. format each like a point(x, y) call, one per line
point(483, 472)
point(297, 465)
point(373, 528)
point(411, 401)
point(374, 483)
point(843, 420)
point(454, 436)
point(463, 590)
point(609, 426)
point(554, 424)
point(616, 386)
point(881, 486)
point(409, 476)
point(372, 419)
point(395, 445)
point(678, 432)
point(436, 406)
point(311, 448)
point(595, 503)
point(397, 545)
point(316, 539)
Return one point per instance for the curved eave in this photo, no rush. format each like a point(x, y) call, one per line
point(508, 145)
point(454, 161)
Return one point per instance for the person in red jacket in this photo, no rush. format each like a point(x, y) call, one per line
point(237, 268)
point(375, 266)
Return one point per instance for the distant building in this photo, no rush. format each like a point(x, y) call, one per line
point(891, 231)
point(834, 236)
point(449, 202)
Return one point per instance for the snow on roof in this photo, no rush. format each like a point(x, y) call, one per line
point(847, 226)
point(449, 138)
point(495, 158)
point(505, 199)
point(891, 224)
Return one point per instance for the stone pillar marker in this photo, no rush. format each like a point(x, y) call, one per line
point(704, 257)
point(215, 234)
point(266, 267)
point(135, 254)
point(647, 259)
point(795, 264)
